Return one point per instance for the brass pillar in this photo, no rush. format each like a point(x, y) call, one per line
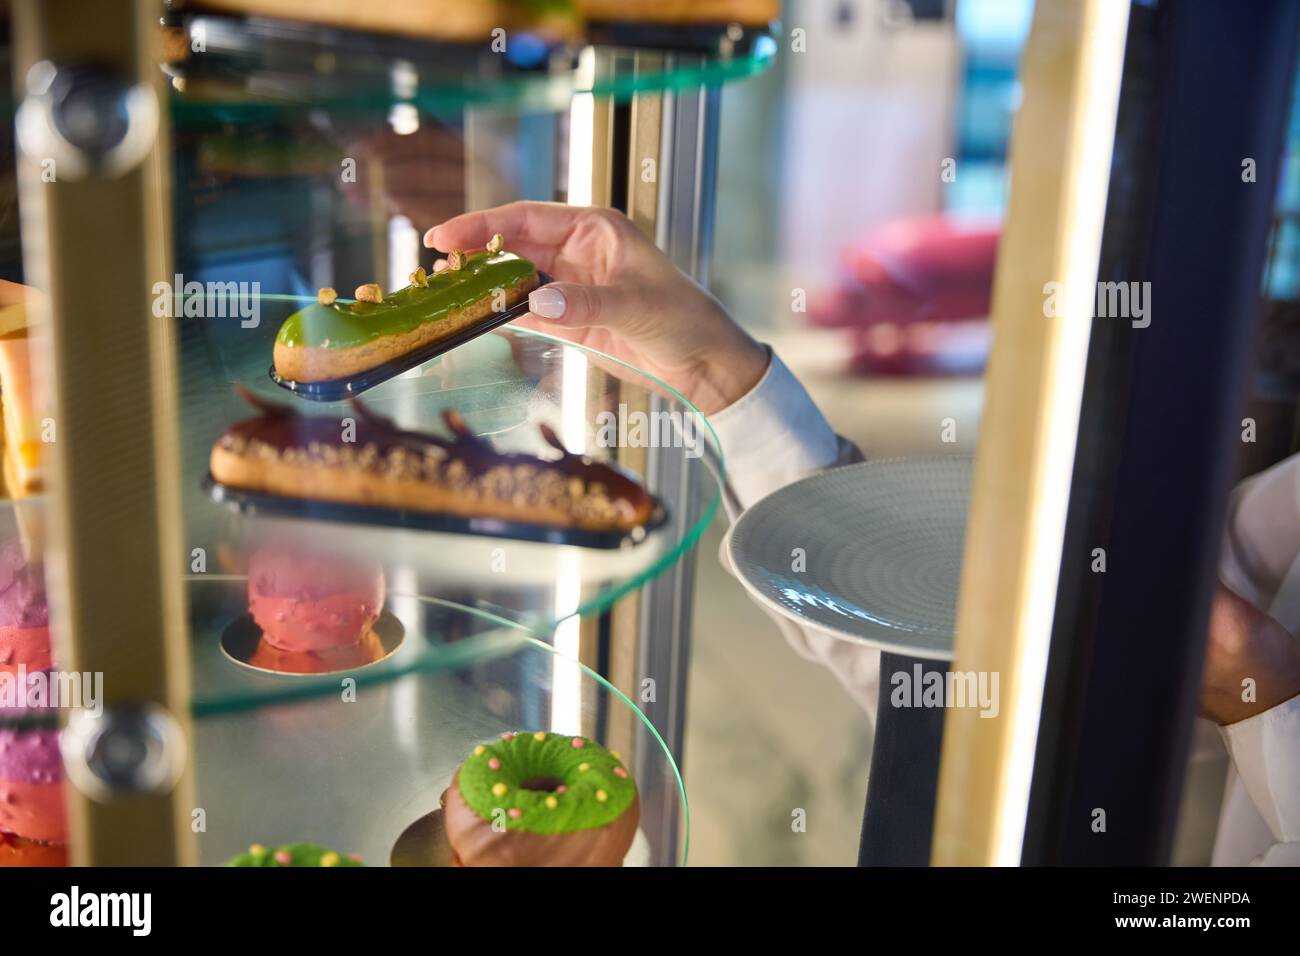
point(95, 240)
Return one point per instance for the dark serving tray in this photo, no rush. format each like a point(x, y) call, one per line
point(338, 389)
point(257, 503)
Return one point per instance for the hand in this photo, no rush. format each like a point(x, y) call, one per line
point(618, 294)
point(1245, 642)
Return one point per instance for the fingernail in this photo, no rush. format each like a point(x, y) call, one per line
point(548, 303)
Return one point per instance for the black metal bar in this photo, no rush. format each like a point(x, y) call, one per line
point(1206, 86)
point(903, 783)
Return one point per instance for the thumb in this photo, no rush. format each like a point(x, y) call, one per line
point(572, 304)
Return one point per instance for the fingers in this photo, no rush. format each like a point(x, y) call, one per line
point(537, 223)
point(544, 257)
point(578, 306)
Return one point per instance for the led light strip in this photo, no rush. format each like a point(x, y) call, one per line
point(1105, 27)
point(566, 676)
point(1061, 152)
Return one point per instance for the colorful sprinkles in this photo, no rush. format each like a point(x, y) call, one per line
point(293, 855)
point(546, 782)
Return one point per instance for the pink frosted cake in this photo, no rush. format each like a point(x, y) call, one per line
point(307, 603)
point(31, 785)
point(24, 616)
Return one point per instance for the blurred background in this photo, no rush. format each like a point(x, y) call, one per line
point(860, 189)
point(866, 179)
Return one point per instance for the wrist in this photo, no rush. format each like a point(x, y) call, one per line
point(729, 374)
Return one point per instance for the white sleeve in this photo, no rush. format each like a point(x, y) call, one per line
point(771, 437)
point(1260, 562)
point(1262, 539)
point(1265, 751)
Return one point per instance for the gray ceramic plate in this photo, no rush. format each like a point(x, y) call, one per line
point(882, 548)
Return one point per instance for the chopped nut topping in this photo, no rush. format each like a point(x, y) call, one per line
point(456, 261)
point(260, 449)
point(326, 296)
point(370, 292)
point(420, 278)
point(432, 463)
point(457, 475)
point(496, 244)
point(497, 482)
point(403, 465)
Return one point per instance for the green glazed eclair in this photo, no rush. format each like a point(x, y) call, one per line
point(331, 340)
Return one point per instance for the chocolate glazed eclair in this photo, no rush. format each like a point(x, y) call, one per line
point(281, 452)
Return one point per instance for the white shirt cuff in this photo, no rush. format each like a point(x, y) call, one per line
point(773, 435)
point(1263, 535)
point(1263, 749)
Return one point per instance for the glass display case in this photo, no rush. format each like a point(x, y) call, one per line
point(243, 608)
point(241, 162)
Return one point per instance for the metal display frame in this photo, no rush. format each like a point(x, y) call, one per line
point(1060, 164)
point(116, 593)
point(647, 636)
point(684, 229)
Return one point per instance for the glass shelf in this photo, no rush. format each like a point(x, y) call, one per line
point(426, 635)
point(284, 759)
point(257, 68)
point(355, 775)
point(470, 598)
point(504, 384)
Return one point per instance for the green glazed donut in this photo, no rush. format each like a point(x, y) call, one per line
point(546, 783)
point(292, 854)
